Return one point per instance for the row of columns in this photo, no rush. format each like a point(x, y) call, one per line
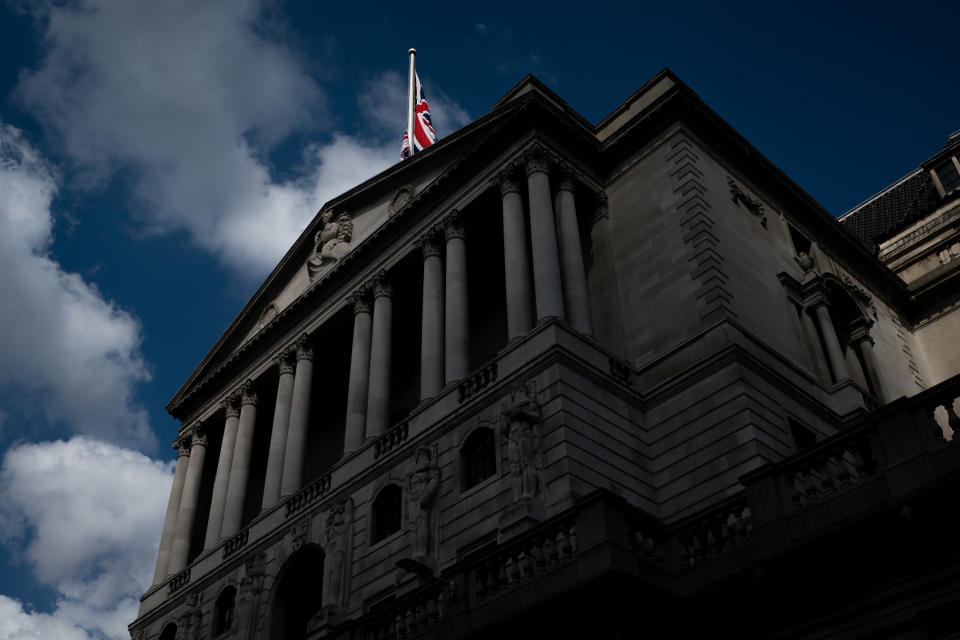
point(559, 290)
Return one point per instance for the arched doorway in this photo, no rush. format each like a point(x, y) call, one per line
point(297, 596)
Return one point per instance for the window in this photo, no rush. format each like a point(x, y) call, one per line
point(169, 632)
point(224, 610)
point(386, 513)
point(948, 175)
point(478, 457)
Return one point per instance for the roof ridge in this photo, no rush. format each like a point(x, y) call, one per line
point(880, 193)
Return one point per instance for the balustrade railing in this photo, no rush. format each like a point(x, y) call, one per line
point(309, 494)
point(179, 581)
point(235, 543)
point(390, 440)
point(411, 615)
point(716, 532)
point(477, 382)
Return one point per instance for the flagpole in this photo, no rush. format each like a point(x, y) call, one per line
point(411, 89)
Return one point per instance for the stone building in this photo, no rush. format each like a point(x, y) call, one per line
point(582, 380)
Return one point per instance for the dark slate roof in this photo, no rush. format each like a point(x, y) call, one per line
point(892, 209)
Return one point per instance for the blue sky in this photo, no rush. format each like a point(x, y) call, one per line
point(156, 159)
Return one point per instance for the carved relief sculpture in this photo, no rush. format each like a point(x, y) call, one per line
point(422, 487)
point(250, 587)
point(520, 425)
point(331, 243)
point(188, 626)
point(336, 547)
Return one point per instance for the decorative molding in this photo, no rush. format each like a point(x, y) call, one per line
point(453, 226)
point(477, 382)
point(753, 205)
point(331, 243)
point(859, 293)
point(306, 496)
point(390, 440)
point(381, 285)
point(400, 199)
point(693, 211)
point(232, 405)
point(304, 347)
point(248, 393)
point(287, 361)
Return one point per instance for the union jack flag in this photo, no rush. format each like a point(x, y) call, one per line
point(405, 147)
point(423, 133)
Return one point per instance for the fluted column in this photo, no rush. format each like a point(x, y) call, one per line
point(188, 502)
point(240, 467)
point(296, 450)
point(431, 325)
point(278, 432)
point(359, 373)
point(834, 352)
point(571, 254)
point(516, 262)
point(456, 317)
point(861, 340)
point(378, 394)
point(218, 500)
point(548, 287)
point(182, 445)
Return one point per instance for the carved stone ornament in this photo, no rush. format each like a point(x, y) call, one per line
point(422, 487)
point(137, 634)
point(287, 362)
point(304, 347)
point(400, 199)
point(535, 159)
point(198, 434)
point(232, 405)
point(602, 211)
point(566, 180)
point(860, 294)
point(361, 301)
point(299, 533)
point(269, 313)
point(520, 425)
point(248, 393)
point(250, 588)
point(429, 244)
point(381, 285)
point(188, 625)
point(453, 226)
point(507, 181)
point(805, 261)
point(182, 445)
point(753, 205)
point(337, 538)
point(331, 243)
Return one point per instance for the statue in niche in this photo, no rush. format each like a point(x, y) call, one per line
point(331, 243)
point(422, 487)
point(336, 545)
point(520, 425)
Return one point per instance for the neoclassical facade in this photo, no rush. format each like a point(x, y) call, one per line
point(589, 380)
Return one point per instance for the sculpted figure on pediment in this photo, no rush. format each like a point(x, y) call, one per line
point(331, 243)
point(520, 425)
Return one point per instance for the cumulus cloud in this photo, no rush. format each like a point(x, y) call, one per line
point(189, 98)
point(86, 516)
point(58, 329)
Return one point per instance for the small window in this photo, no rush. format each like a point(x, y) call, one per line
point(801, 244)
point(948, 175)
point(224, 610)
point(479, 457)
point(803, 437)
point(386, 513)
point(169, 632)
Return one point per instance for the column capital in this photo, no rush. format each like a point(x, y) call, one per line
point(360, 299)
point(566, 178)
point(860, 331)
point(381, 285)
point(182, 445)
point(535, 159)
point(453, 226)
point(303, 348)
point(248, 394)
point(232, 405)
point(197, 433)
point(429, 244)
point(507, 181)
point(287, 360)
point(601, 211)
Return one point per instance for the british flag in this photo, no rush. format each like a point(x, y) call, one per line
point(405, 147)
point(423, 133)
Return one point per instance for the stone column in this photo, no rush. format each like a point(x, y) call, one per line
point(571, 253)
point(834, 352)
point(516, 261)
point(861, 340)
point(816, 353)
point(219, 499)
point(359, 373)
point(188, 503)
point(182, 445)
point(378, 394)
point(456, 317)
point(547, 282)
point(278, 433)
point(431, 327)
point(296, 450)
point(240, 467)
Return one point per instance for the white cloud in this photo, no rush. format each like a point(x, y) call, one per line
point(189, 98)
point(64, 349)
point(88, 516)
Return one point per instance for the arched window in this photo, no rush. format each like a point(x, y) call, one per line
point(478, 457)
point(169, 632)
point(224, 610)
point(386, 513)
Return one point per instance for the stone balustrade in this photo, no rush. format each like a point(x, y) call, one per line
point(308, 495)
point(477, 382)
point(412, 615)
point(390, 440)
point(178, 581)
point(718, 531)
point(235, 543)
